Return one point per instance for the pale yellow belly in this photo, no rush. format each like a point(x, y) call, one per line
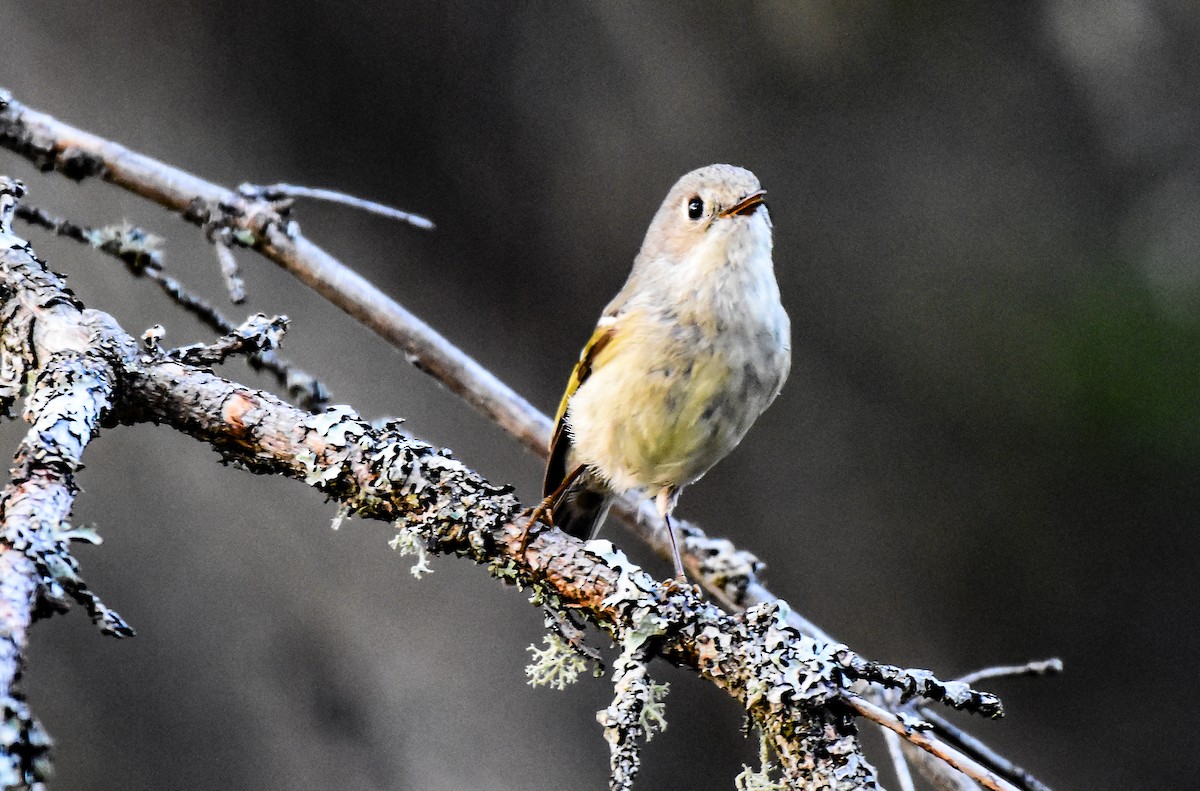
point(654, 416)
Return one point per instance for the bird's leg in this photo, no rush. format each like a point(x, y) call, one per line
point(547, 504)
point(665, 501)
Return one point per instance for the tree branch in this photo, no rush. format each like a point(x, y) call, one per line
point(45, 335)
point(252, 219)
point(140, 252)
point(792, 686)
point(383, 474)
point(53, 145)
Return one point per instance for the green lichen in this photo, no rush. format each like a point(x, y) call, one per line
point(653, 717)
point(554, 666)
point(760, 779)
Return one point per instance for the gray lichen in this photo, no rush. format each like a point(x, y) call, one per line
point(635, 714)
point(24, 745)
point(127, 242)
point(723, 564)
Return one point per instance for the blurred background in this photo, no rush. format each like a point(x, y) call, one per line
point(986, 217)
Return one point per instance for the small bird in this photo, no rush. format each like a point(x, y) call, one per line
point(683, 360)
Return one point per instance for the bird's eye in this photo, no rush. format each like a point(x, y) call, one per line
point(695, 208)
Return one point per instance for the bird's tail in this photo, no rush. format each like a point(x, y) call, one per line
point(582, 508)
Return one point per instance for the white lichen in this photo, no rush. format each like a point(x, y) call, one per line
point(721, 562)
point(152, 336)
point(554, 666)
point(343, 512)
point(338, 427)
point(337, 424)
point(913, 723)
point(409, 541)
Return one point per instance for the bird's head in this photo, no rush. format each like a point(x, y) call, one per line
point(708, 212)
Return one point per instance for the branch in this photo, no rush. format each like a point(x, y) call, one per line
point(276, 192)
point(142, 255)
point(70, 396)
point(729, 575)
point(1043, 667)
point(52, 145)
point(256, 335)
point(792, 686)
point(230, 272)
point(251, 218)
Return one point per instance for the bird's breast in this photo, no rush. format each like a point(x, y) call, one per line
point(687, 377)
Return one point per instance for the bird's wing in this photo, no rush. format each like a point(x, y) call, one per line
point(560, 443)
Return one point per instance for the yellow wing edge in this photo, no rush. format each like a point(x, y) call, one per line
point(560, 442)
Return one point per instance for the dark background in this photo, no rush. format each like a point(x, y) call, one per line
point(986, 217)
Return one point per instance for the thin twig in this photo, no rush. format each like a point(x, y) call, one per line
point(234, 284)
point(899, 765)
point(974, 747)
point(962, 763)
point(273, 192)
point(1043, 667)
point(142, 256)
point(256, 334)
point(921, 683)
point(135, 248)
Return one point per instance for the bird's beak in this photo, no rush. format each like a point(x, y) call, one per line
point(746, 205)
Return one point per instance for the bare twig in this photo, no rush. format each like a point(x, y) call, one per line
point(1044, 667)
point(273, 192)
point(981, 752)
point(230, 273)
point(904, 727)
point(899, 765)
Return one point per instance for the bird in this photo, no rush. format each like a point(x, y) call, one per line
point(683, 360)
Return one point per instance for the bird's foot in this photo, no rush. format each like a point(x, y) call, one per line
point(536, 514)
